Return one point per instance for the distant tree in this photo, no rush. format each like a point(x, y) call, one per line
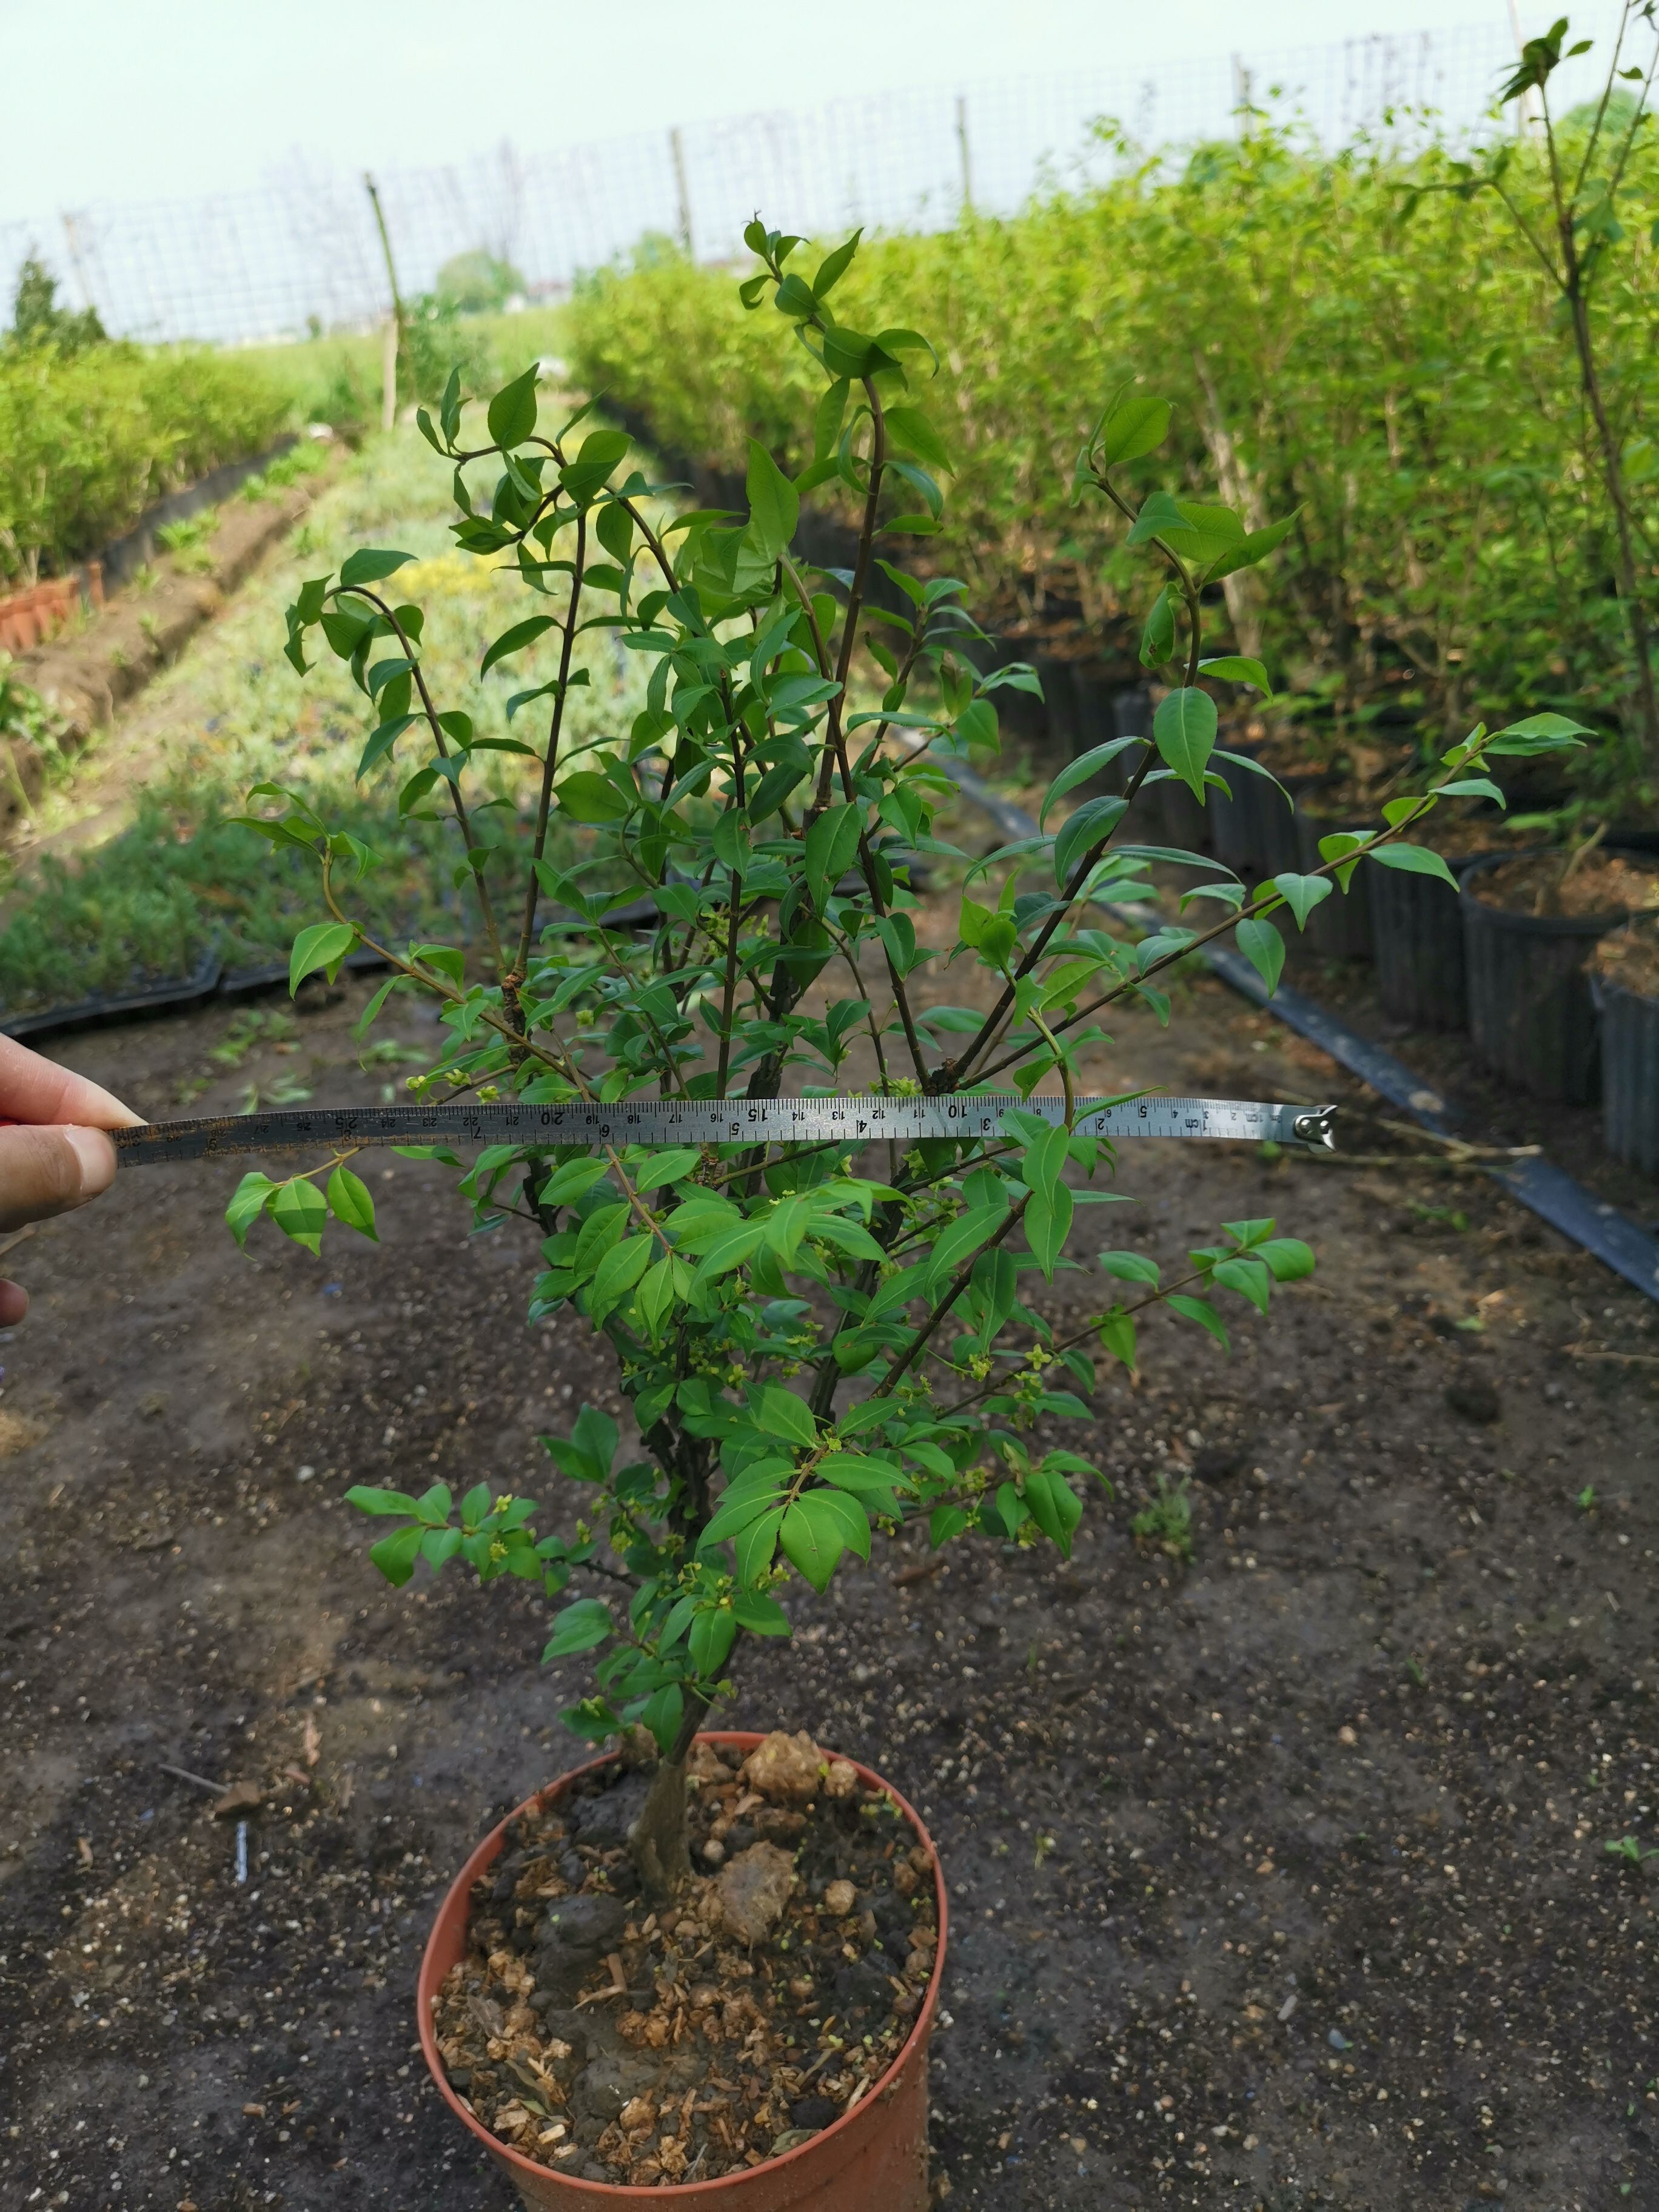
point(477, 283)
point(37, 319)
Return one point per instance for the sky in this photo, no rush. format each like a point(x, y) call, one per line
point(129, 100)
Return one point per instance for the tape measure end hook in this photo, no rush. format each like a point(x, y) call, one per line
point(1317, 1128)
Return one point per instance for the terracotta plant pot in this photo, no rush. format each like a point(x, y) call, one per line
point(873, 2158)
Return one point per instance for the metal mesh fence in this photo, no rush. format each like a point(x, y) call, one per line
point(301, 254)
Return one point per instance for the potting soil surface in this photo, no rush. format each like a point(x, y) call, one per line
point(1280, 1875)
point(1630, 956)
point(1549, 883)
point(614, 2043)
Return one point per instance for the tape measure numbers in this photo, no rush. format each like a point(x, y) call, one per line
point(715, 1122)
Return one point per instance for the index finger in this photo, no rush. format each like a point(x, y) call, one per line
point(34, 1090)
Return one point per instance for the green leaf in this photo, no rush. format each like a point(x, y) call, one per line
point(380, 1501)
point(1044, 1159)
point(753, 1545)
point(617, 1275)
point(1048, 1223)
point(818, 1528)
point(579, 1627)
point(833, 267)
point(1055, 1506)
point(1302, 894)
point(1413, 860)
point(1246, 1276)
point(512, 410)
point(568, 1182)
point(323, 945)
point(1539, 734)
point(773, 502)
point(1201, 1310)
point(1117, 1335)
point(1158, 639)
point(909, 428)
point(588, 797)
point(595, 1436)
point(248, 1202)
point(665, 1709)
point(713, 1634)
point(1238, 668)
point(586, 477)
point(760, 1614)
point(1129, 1266)
point(1254, 546)
point(1287, 1258)
point(515, 639)
point(1088, 826)
point(1159, 516)
point(348, 1201)
point(781, 1413)
point(976, 724)
point(395, 1555)
point(832, 843)
point(1183, 730)
point(300, 1212)
point(367, 565)
point(1135, 424)
point(1084, 766)
point(1264, 948)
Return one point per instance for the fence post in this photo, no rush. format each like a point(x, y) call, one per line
point(394, 331)
point(677, 148)
point(962, 148)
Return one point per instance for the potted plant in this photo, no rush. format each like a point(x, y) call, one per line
point(697, 1961)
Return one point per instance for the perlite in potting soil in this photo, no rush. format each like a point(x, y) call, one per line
point(609, 2042)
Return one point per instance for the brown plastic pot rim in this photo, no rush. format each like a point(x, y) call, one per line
point(1534, 925)
point(485, 1856)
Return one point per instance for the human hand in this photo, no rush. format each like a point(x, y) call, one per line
point(56, 1156)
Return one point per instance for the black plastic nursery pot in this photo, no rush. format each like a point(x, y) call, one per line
point(1059, 683)
point(1231, 823)
point(1417, 941)
point(1530, 1010)
point(1629, 1073)
point(1269, 824)
point(1340, 926)
point(1096, 688)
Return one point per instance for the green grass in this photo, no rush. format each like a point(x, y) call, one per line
point(178, 878)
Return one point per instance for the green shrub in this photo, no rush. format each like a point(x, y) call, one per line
point(88, 439)
point(1355, 337)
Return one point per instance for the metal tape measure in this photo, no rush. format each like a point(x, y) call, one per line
point(715, 1122)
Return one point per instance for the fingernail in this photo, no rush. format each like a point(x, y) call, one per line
point(97, 1157)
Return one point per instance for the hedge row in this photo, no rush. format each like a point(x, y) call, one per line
point(89, 439)
point(1346, 338)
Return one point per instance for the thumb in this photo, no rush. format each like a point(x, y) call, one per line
point(47, 1170)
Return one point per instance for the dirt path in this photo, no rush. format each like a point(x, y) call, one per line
point(1279, 1878)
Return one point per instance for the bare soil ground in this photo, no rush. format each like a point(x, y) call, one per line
point(1279, 1878)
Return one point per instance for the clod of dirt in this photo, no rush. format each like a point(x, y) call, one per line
point(787, 1769)
point(840, 1898)
point(1473, 1397)
point(754, 1889)
point(1220, 1462)
point(574, 1936)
